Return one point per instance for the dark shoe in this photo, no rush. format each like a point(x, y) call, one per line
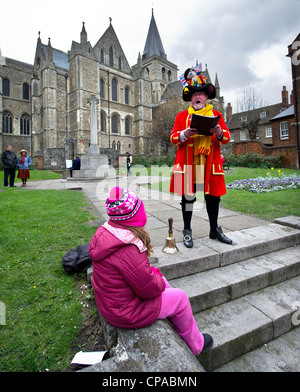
point(219, 235)
point(208, 343)
point(13, 186)
point(187, 238)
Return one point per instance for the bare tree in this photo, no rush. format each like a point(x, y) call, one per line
point(163, 121)
point(248, 102)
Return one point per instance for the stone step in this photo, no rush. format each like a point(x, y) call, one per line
point(210, 288)
point(280, 355)
point(208, 254)
point(247, 323)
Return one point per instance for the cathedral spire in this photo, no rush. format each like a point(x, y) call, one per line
point(153, 42)
point(83, 35)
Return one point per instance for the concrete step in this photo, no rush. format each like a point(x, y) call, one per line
point(280, 355)
point(214, 287)
point(209, 254)
point(247, 323)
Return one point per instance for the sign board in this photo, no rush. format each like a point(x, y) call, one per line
point(68, 163)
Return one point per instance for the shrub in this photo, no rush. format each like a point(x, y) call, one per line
point(154, 161)
point(253, 159)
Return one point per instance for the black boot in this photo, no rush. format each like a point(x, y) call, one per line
point(208, 343)
point(187, 238)
point(219, 235)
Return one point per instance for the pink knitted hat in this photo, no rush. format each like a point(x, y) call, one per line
point(125, 207)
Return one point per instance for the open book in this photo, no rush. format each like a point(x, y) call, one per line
point(203, 124)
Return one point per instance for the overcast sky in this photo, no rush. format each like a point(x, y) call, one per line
point(244, 42)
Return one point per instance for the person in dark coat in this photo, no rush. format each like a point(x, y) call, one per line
point(9, 161)
point(76, 165)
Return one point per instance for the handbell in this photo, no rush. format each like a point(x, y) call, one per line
point(170, 247)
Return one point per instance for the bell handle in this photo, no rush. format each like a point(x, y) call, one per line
point(170, 225)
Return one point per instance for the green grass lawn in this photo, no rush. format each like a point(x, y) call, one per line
point(265, 205)
point(35, 175)
point(43, 310)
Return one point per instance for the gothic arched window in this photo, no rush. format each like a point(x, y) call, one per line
point(114, 90)
point(114, 124)
point(102, 84)
point(102, 56)
point(6, 122)
point(127, 126)
point(24, 124)
point(6, 87)
point(126, 92)
point(111, 56)
point(26, 91)
point(103, 122)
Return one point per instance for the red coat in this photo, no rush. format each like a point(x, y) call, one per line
point(182, 181)
point(127, 292)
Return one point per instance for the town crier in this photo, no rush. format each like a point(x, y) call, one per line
point(197, 164)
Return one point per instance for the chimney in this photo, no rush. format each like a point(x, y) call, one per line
point(228, 112)
point(285, 97)
point(292, 97)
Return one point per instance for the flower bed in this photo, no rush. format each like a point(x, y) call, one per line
point(266, 184)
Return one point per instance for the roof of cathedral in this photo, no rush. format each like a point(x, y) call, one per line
point(60, 59)
point(172, 89)
point(153, 42)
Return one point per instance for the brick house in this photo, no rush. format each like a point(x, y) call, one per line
point(294, 54)
point(238, 122)
point(278, 125)
point(285, 137)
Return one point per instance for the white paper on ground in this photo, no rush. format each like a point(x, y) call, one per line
point(88, 358)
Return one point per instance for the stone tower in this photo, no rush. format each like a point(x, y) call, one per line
point(84, 76)
point(161, 71)
point(57, 112)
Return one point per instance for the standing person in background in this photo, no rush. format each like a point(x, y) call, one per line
point(23, 164)
point(129, 163)
point(9, 161)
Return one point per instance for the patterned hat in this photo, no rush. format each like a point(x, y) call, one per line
point(125, 207)
point(197, 83)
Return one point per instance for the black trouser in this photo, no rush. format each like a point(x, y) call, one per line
point(8, 172)
point(212, 208)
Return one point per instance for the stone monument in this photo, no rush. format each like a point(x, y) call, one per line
point(94, 166)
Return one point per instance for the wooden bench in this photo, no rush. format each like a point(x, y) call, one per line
point(225, 165)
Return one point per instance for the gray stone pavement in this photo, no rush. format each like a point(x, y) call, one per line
point(159, 206)
point(158, 348)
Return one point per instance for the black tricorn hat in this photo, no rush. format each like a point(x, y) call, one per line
point(208, 88)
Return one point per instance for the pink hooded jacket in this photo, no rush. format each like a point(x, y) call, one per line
point(127, 291)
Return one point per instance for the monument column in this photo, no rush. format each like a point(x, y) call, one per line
point(94, 148)
point(94, 166)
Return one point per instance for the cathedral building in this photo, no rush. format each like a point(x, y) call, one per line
point(45, 106)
